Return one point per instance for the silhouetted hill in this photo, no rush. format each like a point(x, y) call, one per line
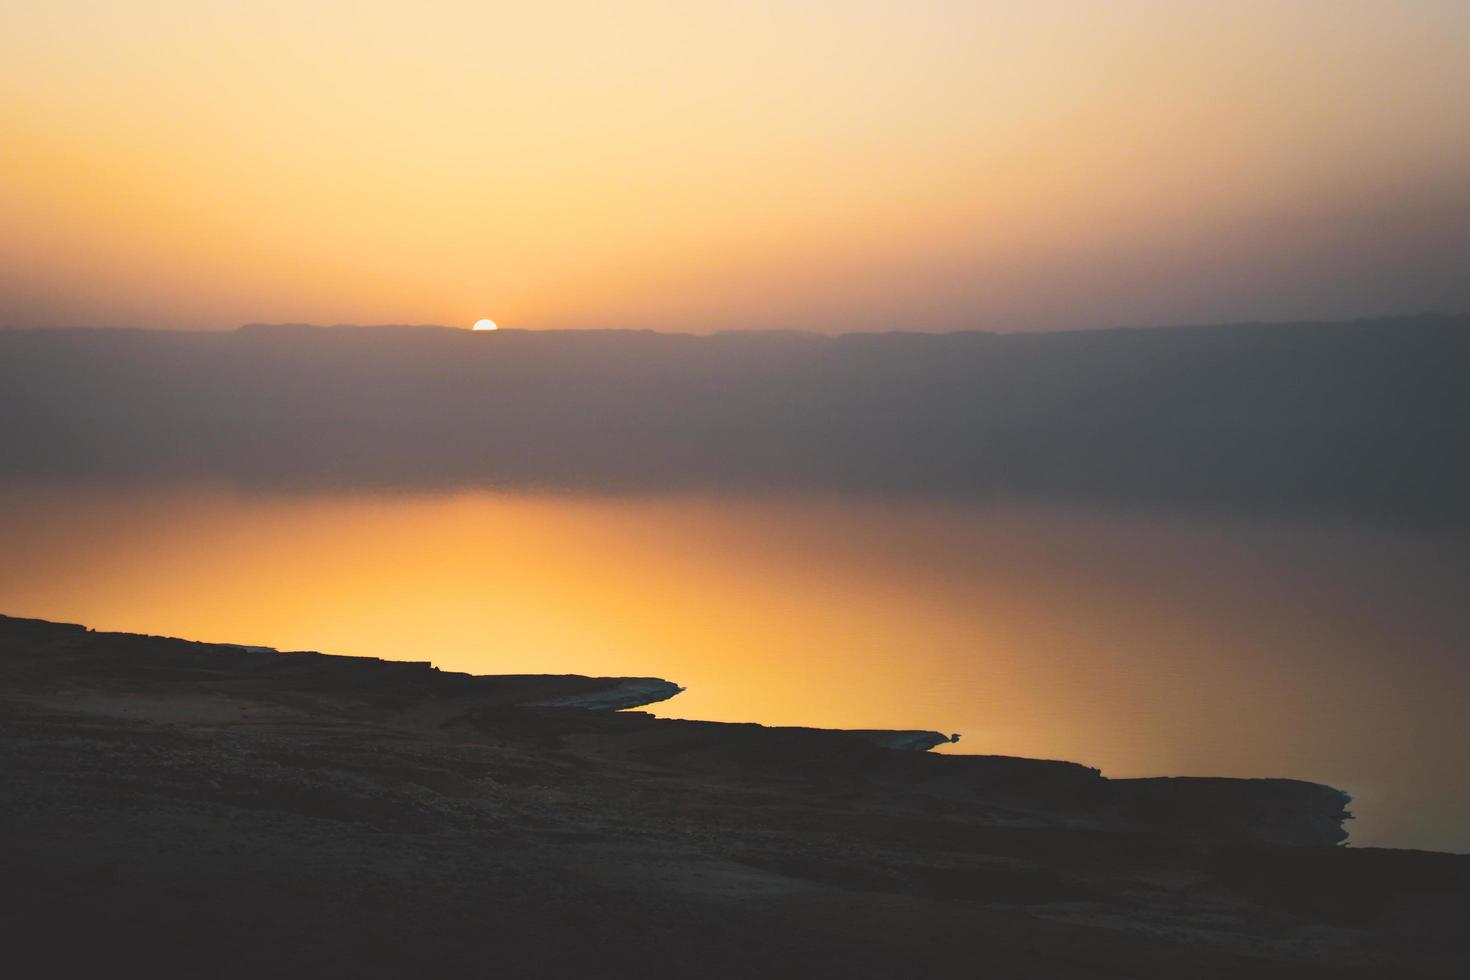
point(1370, 416)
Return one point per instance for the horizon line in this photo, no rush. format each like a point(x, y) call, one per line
point(1424, 315)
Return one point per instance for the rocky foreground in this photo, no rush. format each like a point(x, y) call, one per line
point(192, 809)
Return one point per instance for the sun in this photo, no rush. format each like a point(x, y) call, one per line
point(485, 325)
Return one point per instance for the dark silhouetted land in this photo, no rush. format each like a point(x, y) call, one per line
point(177, 808)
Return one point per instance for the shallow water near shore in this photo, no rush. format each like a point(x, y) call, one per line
point(1140, 642)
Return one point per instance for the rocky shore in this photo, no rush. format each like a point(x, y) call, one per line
point(216, 810)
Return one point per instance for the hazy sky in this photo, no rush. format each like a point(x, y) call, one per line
point(830, 164)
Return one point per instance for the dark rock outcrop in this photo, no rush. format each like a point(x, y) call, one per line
point(206, 809)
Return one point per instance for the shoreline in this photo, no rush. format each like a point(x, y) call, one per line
point(395, 817)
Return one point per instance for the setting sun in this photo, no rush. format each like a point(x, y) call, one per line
point(485, 325)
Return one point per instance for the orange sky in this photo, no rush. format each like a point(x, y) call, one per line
point(697, 165)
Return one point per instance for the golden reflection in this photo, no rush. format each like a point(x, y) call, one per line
point(1142, 647)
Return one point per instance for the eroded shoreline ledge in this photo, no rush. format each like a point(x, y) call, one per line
point(231, 811)
point(172, 681)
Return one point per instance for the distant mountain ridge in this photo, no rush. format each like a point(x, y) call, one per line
point(1367, 415)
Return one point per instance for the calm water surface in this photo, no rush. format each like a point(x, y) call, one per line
point(1143, 644)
